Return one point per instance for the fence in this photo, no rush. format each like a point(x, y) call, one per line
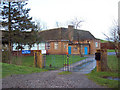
point(19, 53)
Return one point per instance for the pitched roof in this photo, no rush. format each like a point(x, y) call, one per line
point(62, 34)
point(54, 34)
point(82, 35)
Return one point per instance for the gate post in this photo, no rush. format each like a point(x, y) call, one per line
point(38, 62)
point(101, 60)
point(35, 59)
point(98, 60)
point(104, 60)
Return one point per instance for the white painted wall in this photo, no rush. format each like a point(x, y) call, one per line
point(40, 46)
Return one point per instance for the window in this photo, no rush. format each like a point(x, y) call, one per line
point(42, 46)
point(65, 46)
point(47, 45)
point(75, 49)
point(55, 45)
point(96, 44)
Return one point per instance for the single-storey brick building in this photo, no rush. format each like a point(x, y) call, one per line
point(73, 41)
point(65, 40)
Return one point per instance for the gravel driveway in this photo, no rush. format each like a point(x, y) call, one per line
point(49, 79)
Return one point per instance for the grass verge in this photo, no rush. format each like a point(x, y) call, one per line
point(110, 50)
point(98, 76)
point(113, 63)
point(10, 69)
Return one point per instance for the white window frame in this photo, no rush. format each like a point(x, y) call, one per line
point(55, 45)
point(65, 46)
point(75, 49)
point(48, 45)
point(96, 44)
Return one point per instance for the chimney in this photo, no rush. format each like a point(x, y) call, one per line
point(70, 32)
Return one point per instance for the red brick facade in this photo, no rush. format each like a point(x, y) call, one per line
point(75, 48)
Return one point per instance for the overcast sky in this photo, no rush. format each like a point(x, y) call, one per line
point(98, 15)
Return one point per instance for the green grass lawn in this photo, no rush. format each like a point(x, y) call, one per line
point(10, 69)
point(58, 61)
point(98, 76)
point(54, 60)
point(110, 50)
point(25, 64)
point(23, 60)
point(113, 63)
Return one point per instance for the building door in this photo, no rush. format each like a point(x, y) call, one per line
point(86, 50)
point(69, 49)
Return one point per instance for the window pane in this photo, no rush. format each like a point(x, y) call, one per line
point(55, 45)
point(47, 45)
point(75, 49)
point(96, 44)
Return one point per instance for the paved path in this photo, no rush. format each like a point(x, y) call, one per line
point(111, 53)
point(84, 70)
point(49, 79)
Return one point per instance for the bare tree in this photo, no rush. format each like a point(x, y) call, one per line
point(114, 37)
point(76, 22)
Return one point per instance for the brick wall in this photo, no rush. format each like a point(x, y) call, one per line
point(73, 51)
point(60, 50)
point(93, 47)
point(83, 49)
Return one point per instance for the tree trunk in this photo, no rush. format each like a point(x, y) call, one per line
point(9, 27)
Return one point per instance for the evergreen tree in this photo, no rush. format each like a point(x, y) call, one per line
point(16, 20)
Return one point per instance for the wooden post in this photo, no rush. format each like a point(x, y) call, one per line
point(104, 60)
point(98, 63)
point(38, 62)
point(41, 61)
point(102, 63)
point(35, 58)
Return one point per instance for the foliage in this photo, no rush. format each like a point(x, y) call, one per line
point(10, 69)
point(16, 20)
